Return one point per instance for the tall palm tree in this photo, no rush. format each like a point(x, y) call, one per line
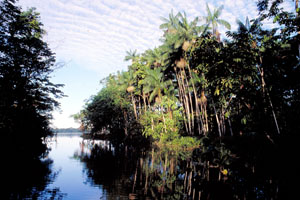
point(176, 44)
point(212, 19)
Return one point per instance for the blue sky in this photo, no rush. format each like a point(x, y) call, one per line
point(91, 37)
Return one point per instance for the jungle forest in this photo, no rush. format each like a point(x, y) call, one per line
point(233, 101)
point(202, 116)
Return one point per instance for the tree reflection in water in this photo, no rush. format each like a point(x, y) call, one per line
point(28, 179)
point(213, 171)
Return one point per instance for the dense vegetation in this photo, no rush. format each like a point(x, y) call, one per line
point(197, 84)
point(234, 101)
point(27, 96)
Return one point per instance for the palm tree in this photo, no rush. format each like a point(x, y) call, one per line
point(187, 32)
point(126, 81)
point(155, 84)
point(131, 55)
point(212, 19)
point(179, 31)
point(153, 58)
point(242, 26)
point(176, 44)
point(170, 25)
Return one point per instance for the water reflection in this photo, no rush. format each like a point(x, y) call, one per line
point(108, 167)
point(29, 179)
point(214, 171)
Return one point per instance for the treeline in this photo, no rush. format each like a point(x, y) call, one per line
point(66, 130)
point(27, 96)
point(196, 84)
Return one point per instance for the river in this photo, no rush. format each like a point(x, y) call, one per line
point(72, 179)
point(77, 168)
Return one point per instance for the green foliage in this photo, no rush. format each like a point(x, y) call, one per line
point(212, 19)
point(27, 96)
point(163, 123)
point(196, 84)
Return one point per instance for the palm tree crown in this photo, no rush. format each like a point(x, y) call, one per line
point(212, 19)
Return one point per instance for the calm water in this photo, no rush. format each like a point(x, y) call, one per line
point(72, 179)
point(84, 169)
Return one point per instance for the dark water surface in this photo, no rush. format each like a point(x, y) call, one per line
point(84, 169)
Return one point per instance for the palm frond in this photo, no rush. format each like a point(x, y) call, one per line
point(209, 14)
point(218, 12)
point(224, 23)
point(247, 23)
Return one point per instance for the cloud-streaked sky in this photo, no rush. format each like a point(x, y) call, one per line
point(91, 37)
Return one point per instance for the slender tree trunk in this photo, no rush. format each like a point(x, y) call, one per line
point(222, 117)
point(141, 169)
point(145, 104)
point(146, 181)
point(190, 183)
point(191, 101)
point(184, 182)
point(207, 176)
point(139, 110)
point(217, 118)
point(152, 124)
point(126, 123)
point(164, 120)
point(182, 100)
point(135, 176)
point(187, 105)
point(204, 112)
point(134, 106)
point(265, 90)
point(230, 127)
point(152, 159)
point(196, 103)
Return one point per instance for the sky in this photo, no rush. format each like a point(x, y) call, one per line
point(90, 38)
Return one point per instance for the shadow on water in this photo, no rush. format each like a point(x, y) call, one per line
point(108, 166)
point(26, 178)
point(246, 167)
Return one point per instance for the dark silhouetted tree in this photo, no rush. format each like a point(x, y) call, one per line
point(26, 93)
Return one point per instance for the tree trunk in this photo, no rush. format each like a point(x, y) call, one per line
point(189, 99)
point(196, 104)
point(186, 103)
point(126, 123)
point(139, 110)
point(182, 100)
point(145, 104)
point(191, 102)
point(230, 127)
point(217, 118)
point(265, 90)
point(135, 176)
point(134, 106)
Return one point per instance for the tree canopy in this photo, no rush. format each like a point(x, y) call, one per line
point(195, 84)
point(27, 96)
